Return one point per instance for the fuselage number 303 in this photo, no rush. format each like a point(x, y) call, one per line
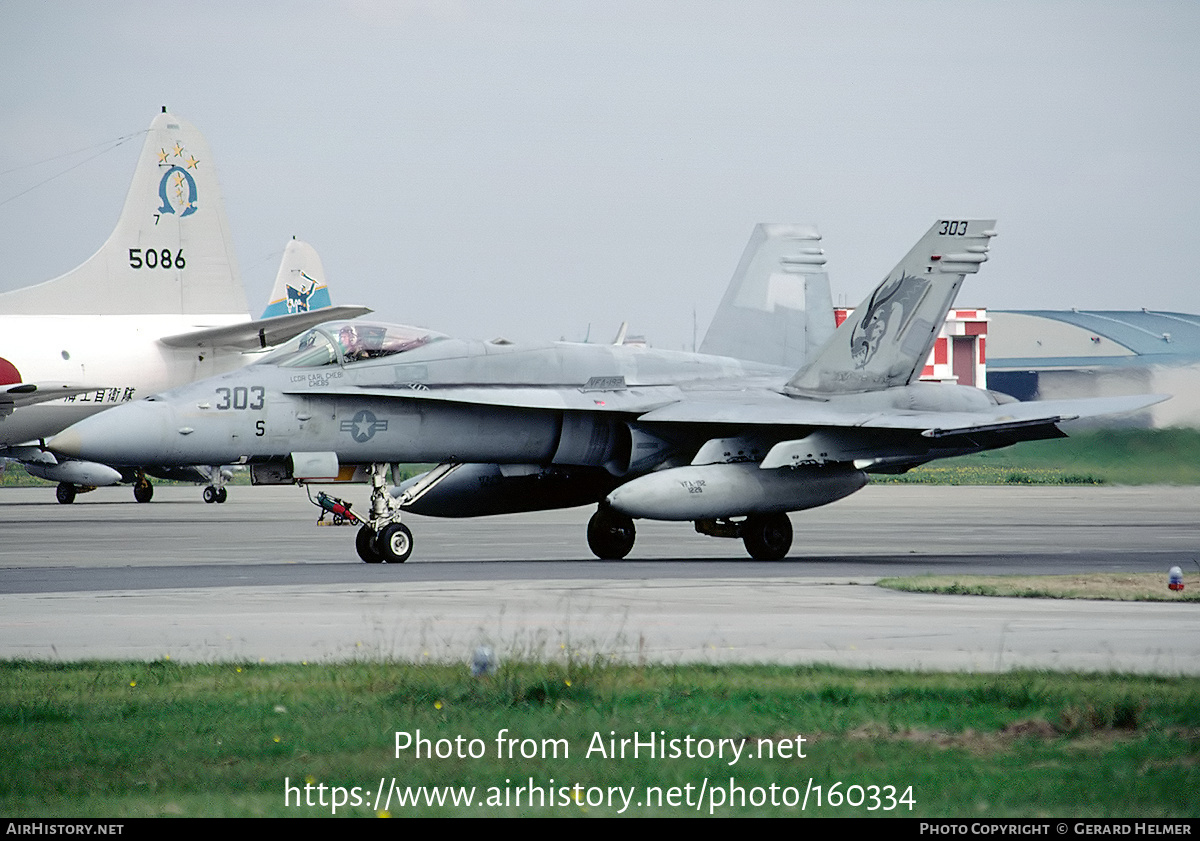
point(242, 397)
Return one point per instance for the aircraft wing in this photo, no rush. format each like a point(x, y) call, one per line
point(779, 410)
point(263, 332)
point(672, 405)
point(631, 400)
point(16, 395)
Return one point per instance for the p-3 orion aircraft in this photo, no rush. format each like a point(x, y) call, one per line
point(160, 304)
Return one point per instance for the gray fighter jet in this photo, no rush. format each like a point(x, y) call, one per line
point(730, 444)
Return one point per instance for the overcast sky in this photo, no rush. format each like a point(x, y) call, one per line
point(526, 168)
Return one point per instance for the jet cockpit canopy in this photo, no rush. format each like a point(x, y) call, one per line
point(347, 342)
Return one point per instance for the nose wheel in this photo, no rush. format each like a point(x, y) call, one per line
point(365, 544)
point(392, 544)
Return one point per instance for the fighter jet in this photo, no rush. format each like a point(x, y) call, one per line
point(160, 304)
point(730, 444)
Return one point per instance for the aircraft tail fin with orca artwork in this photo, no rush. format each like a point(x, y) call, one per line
point(171, 251)
point(887, 339)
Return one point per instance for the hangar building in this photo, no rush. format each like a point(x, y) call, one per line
point(1048, 354)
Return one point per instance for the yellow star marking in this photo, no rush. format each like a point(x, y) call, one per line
point(162, 155)
point(178, 150)
point(191, 162)
point(178, 179)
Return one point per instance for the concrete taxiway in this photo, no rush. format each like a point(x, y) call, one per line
point(255, 579)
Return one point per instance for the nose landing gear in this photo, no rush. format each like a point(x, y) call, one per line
point(381, 537)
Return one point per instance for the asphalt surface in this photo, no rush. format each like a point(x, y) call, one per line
point(255, 579)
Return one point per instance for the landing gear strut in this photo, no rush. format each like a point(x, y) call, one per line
point(382, 537)
point(610, 534)
point(216, 492)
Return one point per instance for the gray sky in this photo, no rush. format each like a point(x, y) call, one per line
point(526, 167)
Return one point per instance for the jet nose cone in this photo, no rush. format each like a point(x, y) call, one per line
point(66, 443)
point(125, 435)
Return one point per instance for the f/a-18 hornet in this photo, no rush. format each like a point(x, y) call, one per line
point(729, 444)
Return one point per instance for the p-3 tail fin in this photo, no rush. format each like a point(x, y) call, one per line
point(887, 339)
point(778, 309)
point(171, 251)
point(300, 284)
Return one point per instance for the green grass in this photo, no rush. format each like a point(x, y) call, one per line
point(1109, 456)
point(1129, 587)
point(148, 739)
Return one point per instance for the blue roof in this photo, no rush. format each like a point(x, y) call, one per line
point(1171, 336)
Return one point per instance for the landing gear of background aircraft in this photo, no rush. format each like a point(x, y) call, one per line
point(143, 491)
point(610, 535)
point(65, 493)
point(768, 537)
point(215, 492)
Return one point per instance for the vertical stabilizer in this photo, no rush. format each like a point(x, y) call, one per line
point(300, 284)
point(778, 309)
point(886, 340)
point(171, 251)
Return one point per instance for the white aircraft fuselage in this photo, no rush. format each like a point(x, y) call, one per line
point(160, 304)
point(117, 358)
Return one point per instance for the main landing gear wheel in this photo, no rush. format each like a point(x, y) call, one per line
point(365, 544)
point(610, 535)
point(65, 493)
point(222, 495)
point(394, 543)
point(143, 491)
point(768, 537)
point(210, 494)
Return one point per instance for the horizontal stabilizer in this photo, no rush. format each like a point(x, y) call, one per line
point(779, 410)
point(263, 333)
point(1053, 411)
point(16, 395)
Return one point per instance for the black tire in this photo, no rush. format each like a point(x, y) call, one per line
point(365, 544)
point(768, 537)
point(143, 491)
point(65, 492)
point(394, 543)
point(222, 495)
point(210, 494)
point(610, 535)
